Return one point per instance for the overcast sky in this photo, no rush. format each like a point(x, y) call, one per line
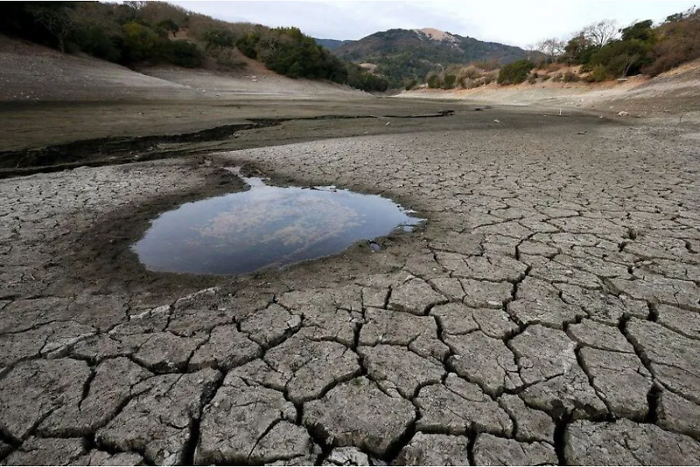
point(519, 23)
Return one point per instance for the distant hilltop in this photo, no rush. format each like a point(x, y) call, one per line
point(412, 53)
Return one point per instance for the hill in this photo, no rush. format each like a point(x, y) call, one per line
point(402, 54)
point(34, 73)
point(139, 34)
point(331, 44)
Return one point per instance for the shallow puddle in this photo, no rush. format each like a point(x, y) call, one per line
point(266, 227)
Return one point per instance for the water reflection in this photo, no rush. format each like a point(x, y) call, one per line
point(264, 227)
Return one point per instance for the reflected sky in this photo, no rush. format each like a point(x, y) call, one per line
point(265, 227)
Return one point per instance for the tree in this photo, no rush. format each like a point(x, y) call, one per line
point(621, 58)
point(56, 19)
point(170, 26)
point(576, 50)
point(516, 72)
point(601, 33)
point(641, 31)
point(552, 49)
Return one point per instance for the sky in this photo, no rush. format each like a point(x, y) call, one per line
point(521, 23)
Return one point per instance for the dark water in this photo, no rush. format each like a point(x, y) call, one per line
point(265, 227)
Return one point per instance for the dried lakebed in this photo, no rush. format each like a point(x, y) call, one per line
point(266, 227)
point(547, 314)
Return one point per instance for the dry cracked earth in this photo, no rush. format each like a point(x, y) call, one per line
point(547, 313)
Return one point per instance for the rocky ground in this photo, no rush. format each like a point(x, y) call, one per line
point(547, 313)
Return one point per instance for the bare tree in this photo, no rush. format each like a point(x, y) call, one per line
point(56, 20)
point(601, 33)
point(551, 48)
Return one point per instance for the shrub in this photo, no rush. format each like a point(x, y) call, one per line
point(532, 78)
point(515, 73)
point(570, 77)
point(361, 79)
point(94, 41)
point(182, 53)
point(219, 38)
point(598, 74)
point(546, 77)
point(247, 44)
point(471, 72)
point(433, 81)
point(490, 77)
point(449, 81)
point(410, 84)
point(140, 41)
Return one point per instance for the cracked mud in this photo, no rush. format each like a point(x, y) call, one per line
point(547, 313)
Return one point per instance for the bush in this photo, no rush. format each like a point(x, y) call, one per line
point(410, 84)
point(361, 79)
point(140, 41)
point(218, 38)
point(471, 72)
point(546, 77)
point(532, 78)
point(490, 77)
point(182, 53)
point(433, 81)
point(570, 77)
point(247, 45)
point(449, 81)
point(599, 74)
point(515, 73)
point(93, 40)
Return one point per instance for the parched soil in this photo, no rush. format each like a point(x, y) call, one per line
point(547, 313)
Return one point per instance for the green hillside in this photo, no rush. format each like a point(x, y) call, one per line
point(410, 54)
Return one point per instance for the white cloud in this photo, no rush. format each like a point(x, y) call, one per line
point(511, 22)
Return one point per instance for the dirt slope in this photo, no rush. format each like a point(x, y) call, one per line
point(676, 91)
point(29, 72)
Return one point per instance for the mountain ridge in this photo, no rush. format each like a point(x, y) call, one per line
point(331, 44)
point(404, 54)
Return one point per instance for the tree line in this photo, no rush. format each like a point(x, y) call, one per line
point(606, 51)
point(602, 50)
